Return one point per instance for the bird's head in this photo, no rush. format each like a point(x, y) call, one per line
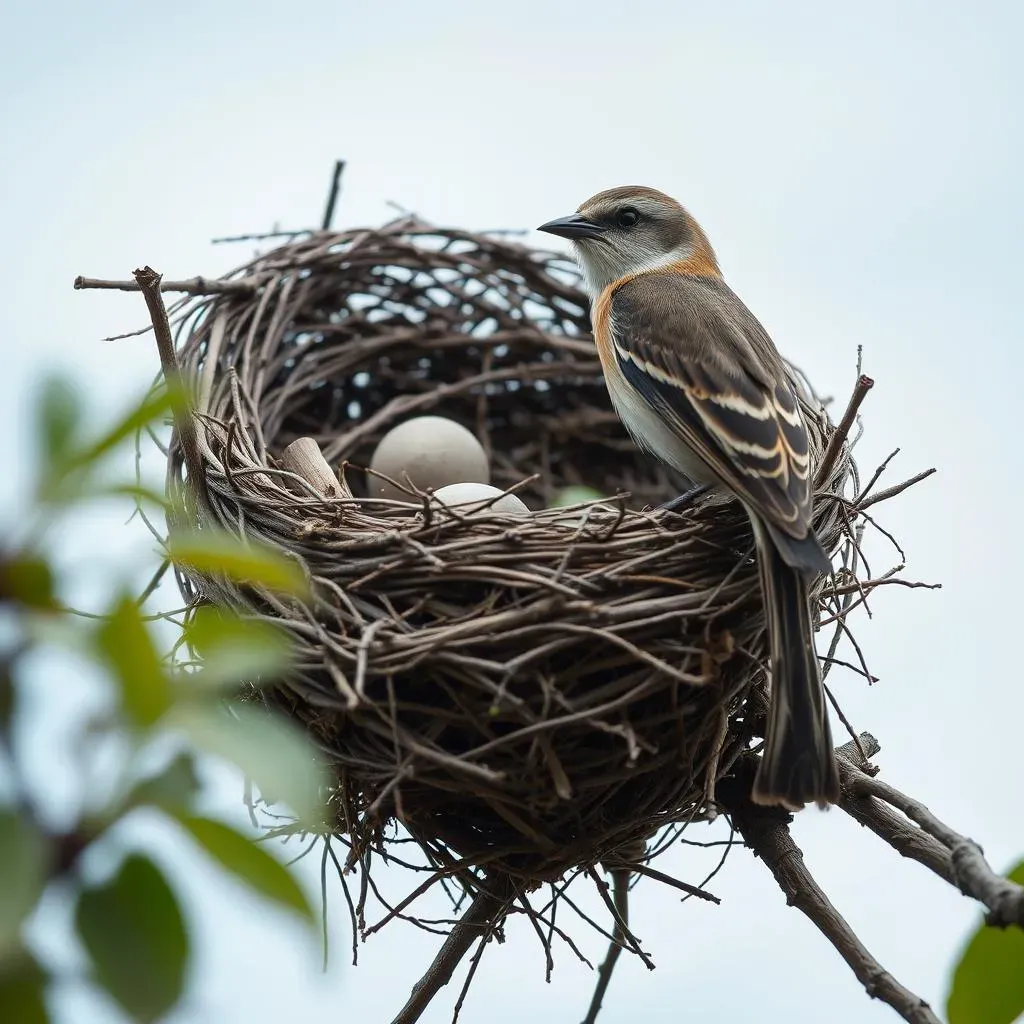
point(632, 229)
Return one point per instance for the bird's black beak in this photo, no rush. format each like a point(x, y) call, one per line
point(574, 227)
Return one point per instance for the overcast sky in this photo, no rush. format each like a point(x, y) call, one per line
point(858, 170)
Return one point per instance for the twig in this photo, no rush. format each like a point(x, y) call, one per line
point(488, 905)
point(971, 872)
point(891, 492)
point(620, 894)
point(620, 921)
point(261, 236)
point(332, 196)
point(660, 876)
point(148, 281)
point(835, 445)
point(766, 832)
point(193, 286)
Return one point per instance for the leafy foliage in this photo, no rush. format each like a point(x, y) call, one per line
point(135, 935)
point(131, 926)
point(988, 982)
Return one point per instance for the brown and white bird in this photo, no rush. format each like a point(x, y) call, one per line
point(698, 383)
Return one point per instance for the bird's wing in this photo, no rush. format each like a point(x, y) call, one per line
point(698, 359)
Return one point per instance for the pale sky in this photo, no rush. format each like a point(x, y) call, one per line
point(857, 168)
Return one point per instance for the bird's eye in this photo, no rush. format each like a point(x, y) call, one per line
point(627, 217)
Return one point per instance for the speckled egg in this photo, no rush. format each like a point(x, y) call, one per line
point(431, 451)
point(463, 496)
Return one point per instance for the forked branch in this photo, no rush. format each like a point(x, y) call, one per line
point(484, 913)
point(916, 833)
point(766, 831)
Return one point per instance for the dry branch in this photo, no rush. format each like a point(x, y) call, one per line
point(766, 832)
point(484, 913)
point(964, 863)
point(303, 457)
point(193, 286)
point(148, 282)
point(620, 889)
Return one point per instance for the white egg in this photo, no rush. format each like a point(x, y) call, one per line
point(464, 497)
point(431, 451)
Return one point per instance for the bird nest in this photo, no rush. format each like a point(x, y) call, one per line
point(526, 695)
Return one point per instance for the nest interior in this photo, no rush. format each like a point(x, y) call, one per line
point(523, 695)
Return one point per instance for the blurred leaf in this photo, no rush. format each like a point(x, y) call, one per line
point(135, 935)
point(24, 866)
point(988, 983)
point(249, 862)
point(59, 414)
point(236, 650)
point(214, 551)
point(136, 491)
point(127, 645)
point(172, 790)
point(575, 495)
point(8, 697)
point(22, 989)
point(151, 408)
point(26, 579)
point(267, 748)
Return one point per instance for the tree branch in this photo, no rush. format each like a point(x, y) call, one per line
point(193, 286)
point(968, 869)
point(903, 836)
point(488, 906)
point(620, 896)
point(766, 831)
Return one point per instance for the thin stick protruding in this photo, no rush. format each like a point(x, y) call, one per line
point(193, 286)
point(148, 281)
point(838, 439)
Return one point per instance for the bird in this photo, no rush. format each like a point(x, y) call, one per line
point(699, 384)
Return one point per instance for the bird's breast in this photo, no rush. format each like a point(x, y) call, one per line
point(649, 430)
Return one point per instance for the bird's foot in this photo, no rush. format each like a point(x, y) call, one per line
point(686, 498)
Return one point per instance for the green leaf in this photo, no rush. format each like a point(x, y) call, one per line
point(249, 862)
point(59, 414)
point(8, 697)
point(22, 989)
point(988, 983)
point(236, 650)
point(24, 867)
point(171, 790)
point(27, 579)
point(214, 551)
point(575, 495)
point(137, 492)
point(134, 933)
point(151, 408)
point(267, 748)
point(125, 642)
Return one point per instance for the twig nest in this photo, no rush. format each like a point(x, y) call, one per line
point(523, 693)
point(426, 452)
point(467, 498)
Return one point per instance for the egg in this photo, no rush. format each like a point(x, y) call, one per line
point(464, 497)
point(431, 451)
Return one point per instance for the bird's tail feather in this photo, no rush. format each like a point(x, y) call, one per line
point(805, 554)
point(798, 764)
